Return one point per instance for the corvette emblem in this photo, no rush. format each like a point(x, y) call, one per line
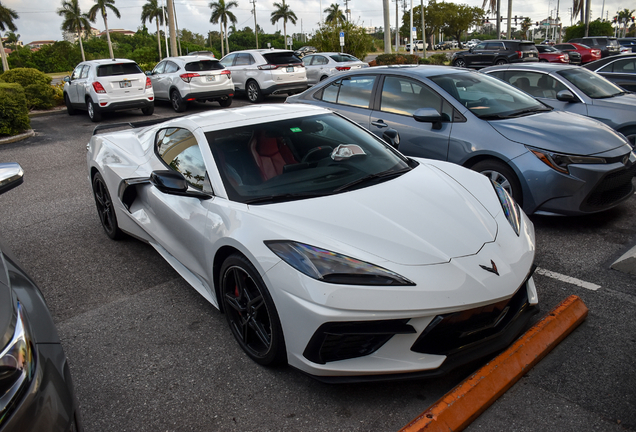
point(492, 269)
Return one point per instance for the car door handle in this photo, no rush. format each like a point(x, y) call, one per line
point(379, 123)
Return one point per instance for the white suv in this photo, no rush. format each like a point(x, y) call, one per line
point(188, 78)
point(263, 72)
point(98, 86)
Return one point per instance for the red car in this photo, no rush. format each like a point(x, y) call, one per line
point(587, 54)
point(550, 54)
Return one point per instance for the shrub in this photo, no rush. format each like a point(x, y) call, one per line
point(37, 86)
point(396, 59)
point(438, 59)
point(14, 115)
point(58, 98)
point(424, 61)
point(25, 76)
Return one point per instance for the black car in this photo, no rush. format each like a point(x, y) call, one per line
point(496, 52)
point(36, 390)
point(608, 45)
point(305, 50)
point(621, 70)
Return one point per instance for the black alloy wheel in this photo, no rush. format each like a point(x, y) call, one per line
point(105, 208)
point(250, 312)
point(178, 104)
point(460, 63)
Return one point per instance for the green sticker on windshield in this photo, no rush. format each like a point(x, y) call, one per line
point(295, 129)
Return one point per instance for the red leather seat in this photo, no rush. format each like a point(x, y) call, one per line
point(271, 155)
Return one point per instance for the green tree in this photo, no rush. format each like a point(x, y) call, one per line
point(577, 8)
point(597, 28)
point(334, 15)
point(6, 22)
point(152, 11)
point(283, 12)
point(74, 21)
point(624, 17)
point(101, 6)
point(12, 39)
point(357, 42)
point(460, 17)
point(221, 13)
point(525, 26)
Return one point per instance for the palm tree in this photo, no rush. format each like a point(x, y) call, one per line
point(492, 6)
point(221, 13)
point(286, 14)
point(101, 6)
point(334, 14)
point(150, 11)
point(74, 20)
point(577, 7)
point(6, 22)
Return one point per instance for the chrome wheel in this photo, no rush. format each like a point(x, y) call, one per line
point(460, 63)
point(253, 92)
point(501, 173)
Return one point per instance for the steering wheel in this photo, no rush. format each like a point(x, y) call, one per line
point(316, 154)
point(478, 102)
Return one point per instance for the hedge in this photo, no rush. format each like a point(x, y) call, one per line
point(14, 115)
point(37, 86)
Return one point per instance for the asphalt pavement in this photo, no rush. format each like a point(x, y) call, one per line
point(148, 353)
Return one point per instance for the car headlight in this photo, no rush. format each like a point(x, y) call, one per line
point(510, 207)
point(332, 267)
point(17, 365)
point(560, 162)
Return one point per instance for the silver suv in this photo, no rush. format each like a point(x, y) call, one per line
point(259, 73)
point(98, 86)
point(188, 78)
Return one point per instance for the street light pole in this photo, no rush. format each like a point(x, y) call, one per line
point(255, 25)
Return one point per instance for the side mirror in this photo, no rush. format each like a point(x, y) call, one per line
point(173, 183)
point(566, 96)
point(67, 78)
point(148, 73)
point(470, 49)
point(11, 175)
point(429, 115)
point(392, 137)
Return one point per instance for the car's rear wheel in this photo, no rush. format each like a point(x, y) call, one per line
point(250, 312)
point(324, 77)
point(501, 62)
point(501, 173)
point(178, 104)
point(253, 91)
point(543, 61)
point(93, 113)
point(459, 63)
point(225, 103)
point(148, 110)
point(69, 107)
point(105, 208)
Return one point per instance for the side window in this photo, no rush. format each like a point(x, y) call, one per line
point(493, 46)
point(85, 71)
point(356, 91)
point(171, 67)
point(330, 93)
point(77, 72)
point(307, 60)
point(228, 60)
point(179, 150)
point(405, 96)
point(479, 47)
point(624, 66)
point(537, 84)
point(159, 68)
point(320, 60)
point(243, 59)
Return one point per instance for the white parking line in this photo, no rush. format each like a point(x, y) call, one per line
point(567, 279)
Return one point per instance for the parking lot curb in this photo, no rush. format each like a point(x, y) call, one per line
point(463, 404)
point(16, 138)
point(627, 262)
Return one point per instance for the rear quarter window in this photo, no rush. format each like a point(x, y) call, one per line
point(118, 69)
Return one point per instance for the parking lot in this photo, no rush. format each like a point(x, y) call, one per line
point(148, 353)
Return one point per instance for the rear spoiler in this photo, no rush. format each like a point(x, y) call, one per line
point(133, 125)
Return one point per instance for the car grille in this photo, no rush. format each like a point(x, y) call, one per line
point(450, 333)
point(613, 188)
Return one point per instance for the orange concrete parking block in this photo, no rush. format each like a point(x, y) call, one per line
point(459, 407)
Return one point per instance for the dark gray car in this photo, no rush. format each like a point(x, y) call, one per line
point(576, 90)
point(552, 162)
point(36, 390)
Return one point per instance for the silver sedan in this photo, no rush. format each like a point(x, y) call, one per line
point(323, 65)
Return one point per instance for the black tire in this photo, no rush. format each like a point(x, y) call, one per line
point(459, 63)
point(93, 111)
point(105, 208)
point(543, 61)
point(178, 104)
point(324, 77)
point(501, 62)
point(69, 108)
point(501, 173)
point(253, 91)
point(250, 312)
point(148, 110)
point(225, 103)
point(630, 134)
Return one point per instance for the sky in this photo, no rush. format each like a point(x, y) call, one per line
point(38, 19)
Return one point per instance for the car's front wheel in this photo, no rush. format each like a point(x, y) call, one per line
point(630, 134)
point(459, 63)
point(250, 312)
point(501, 62)
point(93, 113)
point(178, 104)
point(105, 208)
point(253, 91)
point(501, 173)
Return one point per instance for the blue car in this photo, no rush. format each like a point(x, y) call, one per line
point(552, 162)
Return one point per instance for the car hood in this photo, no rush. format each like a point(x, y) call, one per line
point(560, 131)
point(423, 217)
point(625, 101)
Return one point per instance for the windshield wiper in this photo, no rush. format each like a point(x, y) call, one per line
point(381, 175)
point(513, 114)
point(283, 197)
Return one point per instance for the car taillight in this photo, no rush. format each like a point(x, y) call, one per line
point(596, 52)
point(98, 87)
point(520, 54)
point(267, 67)
point(148, 83)
point(226, 72)
point(343, 68)
point(187, 77)
point(299, 65)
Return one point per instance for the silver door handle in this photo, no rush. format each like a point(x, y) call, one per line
point(379, 123)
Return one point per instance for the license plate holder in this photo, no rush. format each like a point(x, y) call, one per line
point(125, 84)
point(290, 68)
point(209, 78)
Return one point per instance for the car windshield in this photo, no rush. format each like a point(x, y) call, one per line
point(593, 85)
point(301, 158)
point(487, 97)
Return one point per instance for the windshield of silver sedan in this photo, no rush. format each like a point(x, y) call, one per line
point(487, 97)
point(301, 158)
point(592, 84)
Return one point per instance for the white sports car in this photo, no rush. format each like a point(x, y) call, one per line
point(324, 246)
